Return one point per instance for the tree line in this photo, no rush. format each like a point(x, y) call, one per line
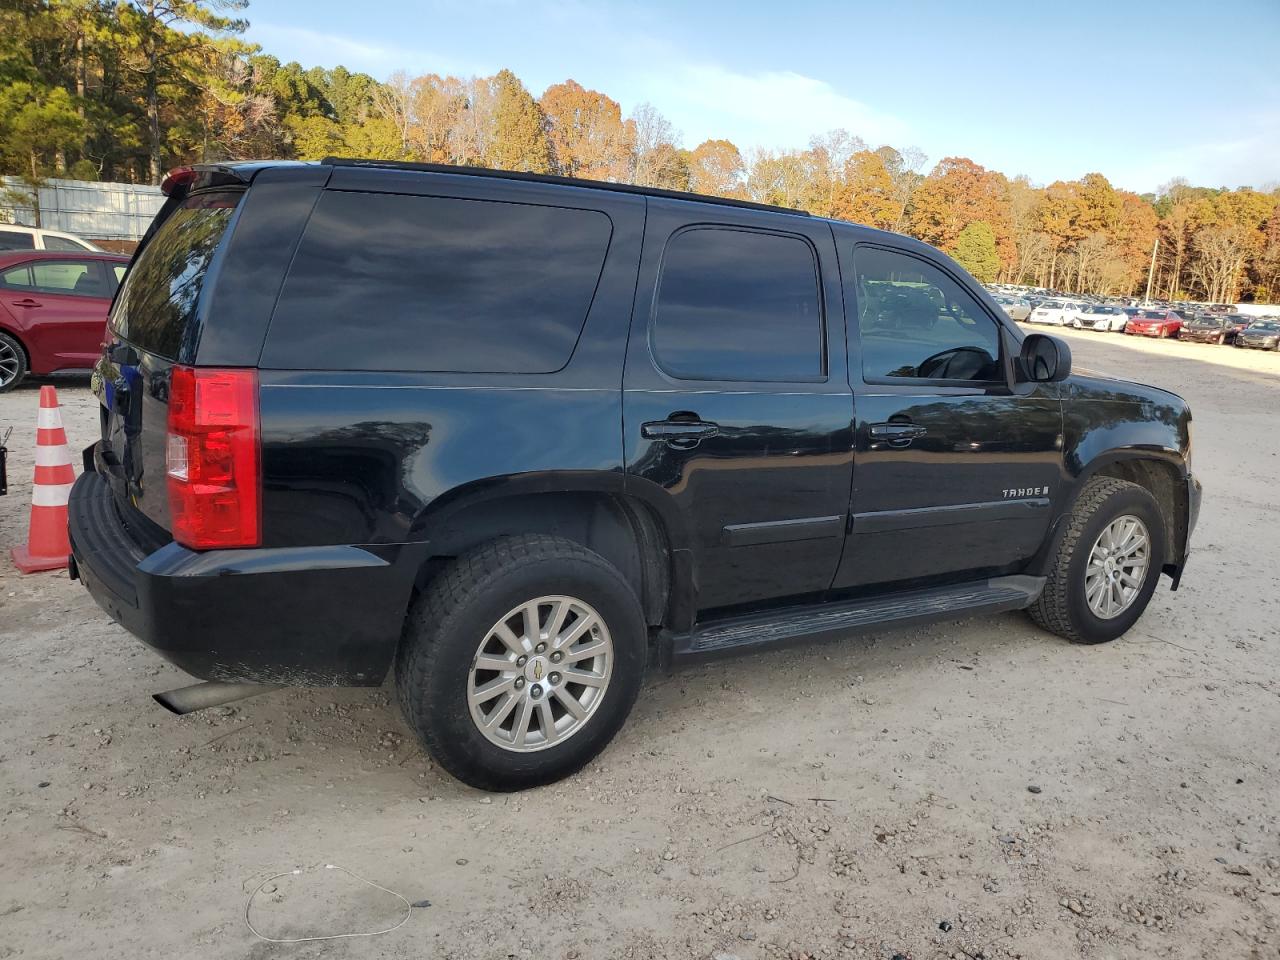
point(125, 89)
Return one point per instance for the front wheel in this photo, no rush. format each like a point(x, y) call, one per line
point(1106, 564)
point(520, 661)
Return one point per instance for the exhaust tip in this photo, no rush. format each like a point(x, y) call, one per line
point(211, 693)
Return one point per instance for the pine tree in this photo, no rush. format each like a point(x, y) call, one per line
point(975, 250)
point(519, 139)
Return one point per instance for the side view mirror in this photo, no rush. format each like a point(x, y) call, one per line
point(1044, 359)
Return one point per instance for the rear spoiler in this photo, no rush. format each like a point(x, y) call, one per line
point(182, 181)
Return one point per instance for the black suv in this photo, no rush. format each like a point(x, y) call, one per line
point(510, 436)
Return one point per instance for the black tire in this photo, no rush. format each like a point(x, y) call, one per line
point(13, 350)
point(451, 617)
point(1062, 607)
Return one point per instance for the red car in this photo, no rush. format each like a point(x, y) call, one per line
point(1154, 323)
point(53, 310)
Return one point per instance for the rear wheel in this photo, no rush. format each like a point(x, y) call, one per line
point(1106, 563)
point(520, 661)
point(13, 362)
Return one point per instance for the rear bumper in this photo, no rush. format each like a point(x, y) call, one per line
point(308, 616)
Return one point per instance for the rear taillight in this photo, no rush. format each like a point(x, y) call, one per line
point(212, 458)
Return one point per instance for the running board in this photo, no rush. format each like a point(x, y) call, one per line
point(857, 616)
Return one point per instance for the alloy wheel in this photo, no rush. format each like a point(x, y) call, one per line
point(540, 673)
point(1117, 567)
point(10, 363)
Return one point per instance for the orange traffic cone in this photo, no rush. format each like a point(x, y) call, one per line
point(47, 546)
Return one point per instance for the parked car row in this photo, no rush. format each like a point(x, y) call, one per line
point(1201, 323)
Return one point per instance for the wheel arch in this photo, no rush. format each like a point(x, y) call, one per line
point(624, 530)
point(1162, 472)
point(17, 338)
point(1165, 480)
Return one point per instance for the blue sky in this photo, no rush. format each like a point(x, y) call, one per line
point(1141, 91)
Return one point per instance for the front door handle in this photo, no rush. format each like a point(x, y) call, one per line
point(27, 303)
point(681, 434)
point(897, 434)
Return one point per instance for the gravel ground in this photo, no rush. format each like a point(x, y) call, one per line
point(972, 790)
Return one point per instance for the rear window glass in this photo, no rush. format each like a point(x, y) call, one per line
point(391, 282)
point(16, 240)
point(158, 307)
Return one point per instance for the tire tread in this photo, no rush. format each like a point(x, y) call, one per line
point(1050, 611)
point(431, 617)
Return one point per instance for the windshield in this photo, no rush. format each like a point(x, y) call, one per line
point(1265, 325)
point(1151, 314)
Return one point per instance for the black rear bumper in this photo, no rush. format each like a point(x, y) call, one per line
point(311, 616)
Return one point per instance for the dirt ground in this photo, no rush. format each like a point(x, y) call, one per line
point(969, 790)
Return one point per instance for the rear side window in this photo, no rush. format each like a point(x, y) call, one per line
point(62, 243)
point(738, 305)
point(71, 277)
point(390, 282)
point(16, 240)
point(158, 306)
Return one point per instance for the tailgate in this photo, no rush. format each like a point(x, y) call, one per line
point(155, 323)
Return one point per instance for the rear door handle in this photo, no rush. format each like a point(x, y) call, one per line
point(27, 303)
point(679, 433)
point(897, 434)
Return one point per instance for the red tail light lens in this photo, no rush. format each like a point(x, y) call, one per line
point(213, 458)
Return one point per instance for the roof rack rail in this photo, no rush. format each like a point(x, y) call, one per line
point(562, 181)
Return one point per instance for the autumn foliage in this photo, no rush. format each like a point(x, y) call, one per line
point(123, 89)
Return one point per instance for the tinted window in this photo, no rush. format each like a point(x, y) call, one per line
point(16, 240)
point(62, 243)
point(384, 282)
point(158, 304)
point(737, 305)
point(915, 321)
point(56, 276)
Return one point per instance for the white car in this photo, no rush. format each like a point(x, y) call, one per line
point(1101, 317)
point(1055, 312)
point(16, 237)
point(1015, 307)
